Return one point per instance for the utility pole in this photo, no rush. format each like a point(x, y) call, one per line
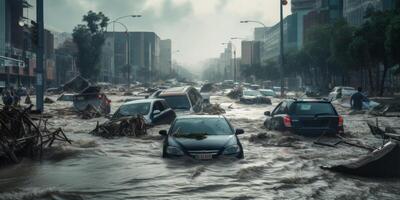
point(39, 57)
point(234, 65)
point(281, 45)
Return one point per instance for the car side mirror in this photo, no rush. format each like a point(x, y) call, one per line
point(267, 113)
point(163, 132)
point(239, 131)
point(156, 112)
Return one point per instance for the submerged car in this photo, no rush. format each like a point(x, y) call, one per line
point(341, 92)
point(202, 137)
point(154, 111)
point(66, 97)
point(267, 92)
point(183, 98)
point(310, 117)
point(254, 96)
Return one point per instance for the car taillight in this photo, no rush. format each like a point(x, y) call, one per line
point(108, 101)
point(99, 96)
point(340, 121)
point(287, 121)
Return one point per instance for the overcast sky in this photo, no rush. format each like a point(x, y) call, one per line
point(196, 27)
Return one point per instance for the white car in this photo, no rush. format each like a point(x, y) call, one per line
point(154, 111)
point(267, 92)
point(341, 92)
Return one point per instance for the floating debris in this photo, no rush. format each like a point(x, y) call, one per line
point(125, 126)
point(49, 100)
point(21, 137)
point(383, 162)
point(213, 109)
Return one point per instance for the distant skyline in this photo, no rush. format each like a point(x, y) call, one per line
point(196, 27)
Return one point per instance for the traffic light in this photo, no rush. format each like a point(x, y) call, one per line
point(284, 2)
point(34, 34)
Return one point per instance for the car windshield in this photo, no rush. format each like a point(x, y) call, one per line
point(177, 102)
point(133, 109)
point(312, 108)
point(207, 126)
point(251, 93)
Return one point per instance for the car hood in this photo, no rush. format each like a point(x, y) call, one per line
point(210, 142)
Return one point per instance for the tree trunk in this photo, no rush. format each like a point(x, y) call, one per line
point(377, 78)
point(371, 84)
point(382, 88)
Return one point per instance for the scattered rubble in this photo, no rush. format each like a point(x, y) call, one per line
point(21, 137)
point(235, 93)
point(383, 162)
point(386, 109)
point(213, 109)
point(49, 100)
point(125, 126)
point(90, 112)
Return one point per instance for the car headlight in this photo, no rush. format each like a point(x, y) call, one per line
point(231, 150)
point(174, 151)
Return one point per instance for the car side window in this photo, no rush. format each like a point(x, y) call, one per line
point(276, 110)
point(165, 104)
point(158, 106)
point(282, 109)
point(192, 97)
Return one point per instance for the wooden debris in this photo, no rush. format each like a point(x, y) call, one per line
point(213, 109)
point(126, 126)
point(48, 100)
point(90, 112)
point(235, 93)
point(21, 137)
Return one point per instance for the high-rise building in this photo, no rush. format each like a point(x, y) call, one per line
point(143, 56)
point(290, 38)
point(165, 57)
point(250, 53)
point(354, 10)
point(2, 27)
point(302, 5)
point(259, 33)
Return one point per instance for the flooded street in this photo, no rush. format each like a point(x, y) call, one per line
point(276, 166)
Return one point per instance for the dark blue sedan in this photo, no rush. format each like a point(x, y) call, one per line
point(310, 117)
point(202, 137)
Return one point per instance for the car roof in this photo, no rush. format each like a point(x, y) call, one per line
point(309, 100)
point(142, 101)
point(265, 90)
point(175, 91)
point(200, 117)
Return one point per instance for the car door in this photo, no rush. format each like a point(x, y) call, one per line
point(157, 117)
point(277, 116)
point(169, 115)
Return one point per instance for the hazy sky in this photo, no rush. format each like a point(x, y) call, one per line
point(197, 27)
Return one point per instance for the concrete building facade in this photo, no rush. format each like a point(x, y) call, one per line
point(165, 58)
point(354, 11)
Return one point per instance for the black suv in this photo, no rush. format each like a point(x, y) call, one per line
point(310, 117)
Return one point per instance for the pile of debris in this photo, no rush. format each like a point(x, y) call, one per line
point(90, 112)
point(387, 110)
point(125, 126)
point(213, 109)
point(21, 137)
point(235, 93)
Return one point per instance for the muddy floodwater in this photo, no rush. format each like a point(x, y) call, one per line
point(275, 166)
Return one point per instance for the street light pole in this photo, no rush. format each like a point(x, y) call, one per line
point(39, 57)
point(281, 48)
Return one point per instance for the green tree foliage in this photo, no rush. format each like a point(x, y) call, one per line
point(89, 38)
point(392, 43)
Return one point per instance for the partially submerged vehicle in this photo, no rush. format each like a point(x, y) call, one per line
point(267, 92)
point(66, 97)
point(309, 117)
point(254, 97)
point(341, 92)
point(92, 98)
point(154, 111)
point(183, 98)
point(202, 137)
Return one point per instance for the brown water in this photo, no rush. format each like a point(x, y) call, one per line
point(280, 166)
